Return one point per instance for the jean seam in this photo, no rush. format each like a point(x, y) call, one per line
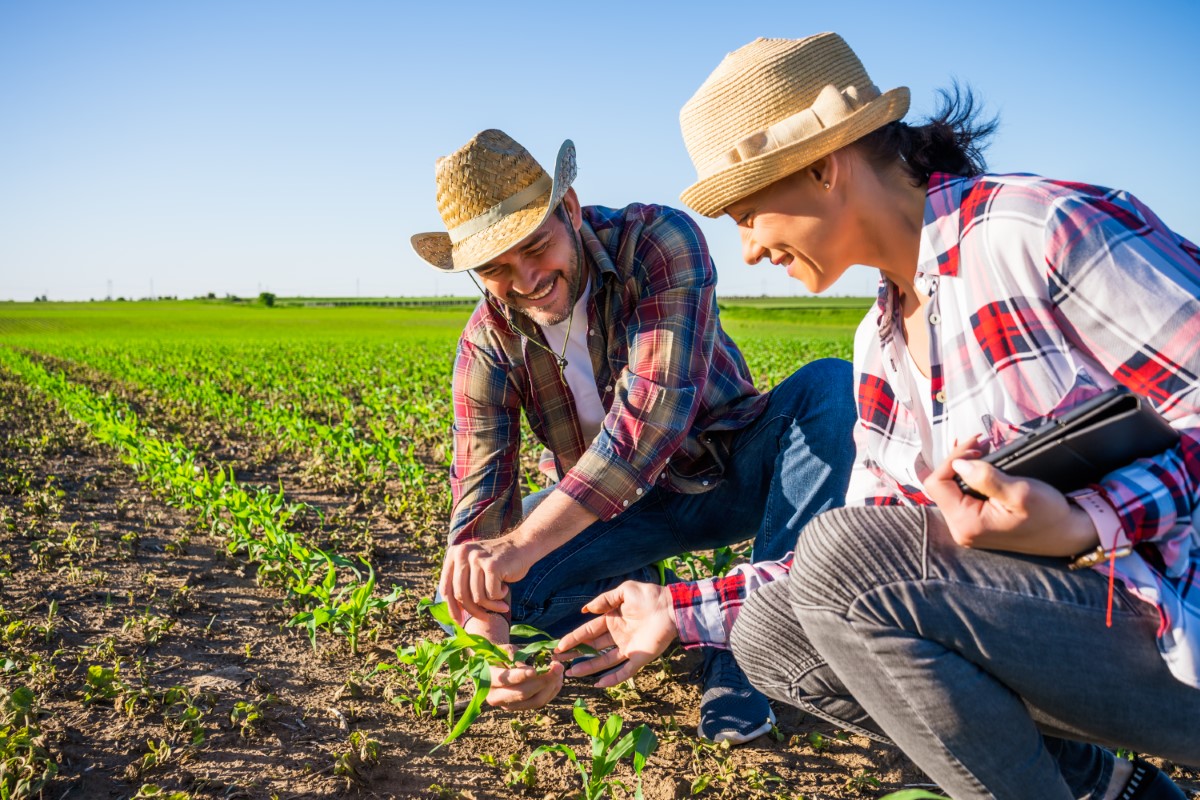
point(1119, 605)
point(795, 691)
point(882, 670)
point(816, 711)
point(758, 428)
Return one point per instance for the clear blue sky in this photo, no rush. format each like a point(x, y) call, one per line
point(289, 146)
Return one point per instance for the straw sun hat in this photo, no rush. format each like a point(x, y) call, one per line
point(491, 194)
point(772, 108)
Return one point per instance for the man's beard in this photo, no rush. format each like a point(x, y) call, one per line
point(548, 317)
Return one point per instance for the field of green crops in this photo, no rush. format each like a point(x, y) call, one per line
point(219, 521)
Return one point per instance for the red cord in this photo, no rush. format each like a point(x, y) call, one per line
point(1112, 571)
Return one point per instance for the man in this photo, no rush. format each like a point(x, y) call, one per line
point(602, 326)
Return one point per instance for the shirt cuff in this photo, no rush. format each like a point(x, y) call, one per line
point(698, 614)
point(1104, 517)
point(604, 486)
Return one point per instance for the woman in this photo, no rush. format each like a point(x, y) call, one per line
point(949, 624)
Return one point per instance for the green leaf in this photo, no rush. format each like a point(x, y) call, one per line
point(529, 632)
point(472, 710)
point(647, 743)
point(612, 727)
point(620, 749)
point(590, 724)
point(533, 649)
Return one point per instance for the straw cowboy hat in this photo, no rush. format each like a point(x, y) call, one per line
point(772, 108)
point(491, 194)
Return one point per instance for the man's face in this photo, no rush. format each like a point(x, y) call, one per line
point(540, 275)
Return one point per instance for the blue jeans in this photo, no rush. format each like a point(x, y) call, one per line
point(790, 464)
point(994, 672)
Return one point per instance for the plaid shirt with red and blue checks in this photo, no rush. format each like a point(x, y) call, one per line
point(667, 374)
point(1042, 294)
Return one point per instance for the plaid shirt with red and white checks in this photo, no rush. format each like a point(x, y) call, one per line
point(1042, 294)
point(667, 374)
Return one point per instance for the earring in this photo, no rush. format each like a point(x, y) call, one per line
point(826, 185)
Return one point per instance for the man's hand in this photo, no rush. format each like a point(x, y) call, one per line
point(1021, 515)
point(475, 576)
point(637, 622)
point(518, 687)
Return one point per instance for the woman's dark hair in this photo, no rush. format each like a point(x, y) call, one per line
point(952, 140)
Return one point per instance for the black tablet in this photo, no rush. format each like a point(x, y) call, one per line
point(1086, 443)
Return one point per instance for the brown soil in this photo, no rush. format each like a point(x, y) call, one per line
point(136, 584)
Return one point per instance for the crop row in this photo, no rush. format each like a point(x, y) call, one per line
point(330, 592)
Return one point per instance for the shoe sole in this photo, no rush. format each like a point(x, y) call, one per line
point(736, 737)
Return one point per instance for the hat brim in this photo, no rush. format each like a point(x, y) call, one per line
point(711, 195)
point(436, 249)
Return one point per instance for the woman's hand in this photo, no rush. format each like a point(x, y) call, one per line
point(637, 623)
point(1021, 515)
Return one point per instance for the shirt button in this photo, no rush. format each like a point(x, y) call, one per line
point(639, 491)
point(934, 319)
point(940, 396)
point(591, 332)
point(625, 502)
point(662, 475)
point(608, 388)
point(704, 482)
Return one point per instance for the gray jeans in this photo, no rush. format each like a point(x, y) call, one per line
point(994, 672)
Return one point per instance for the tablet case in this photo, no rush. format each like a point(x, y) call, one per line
point(1086, 443)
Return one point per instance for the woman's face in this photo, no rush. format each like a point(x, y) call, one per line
point(797, 223)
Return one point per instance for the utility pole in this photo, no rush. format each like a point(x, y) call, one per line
point(109, 290)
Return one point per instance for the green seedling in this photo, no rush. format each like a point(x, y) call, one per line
point(860, 782)
point(247, 716)
point(150, 791)
point(364, 751)
point(608, 748)
point(25, 765)
point(157, 754)
point(694, 566)
point(517, 775)
point(345, 611)
point(442, 668)
point(103, 683)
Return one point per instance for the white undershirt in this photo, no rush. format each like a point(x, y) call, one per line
point(581, 380)
point(920, 388)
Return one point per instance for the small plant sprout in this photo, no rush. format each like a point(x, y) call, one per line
point(608, 748)
point(442, 668)
point(516, 774)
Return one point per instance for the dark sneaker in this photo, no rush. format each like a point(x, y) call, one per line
point(1150, 783)
point(731, 710)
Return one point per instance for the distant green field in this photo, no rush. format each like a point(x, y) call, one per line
point(773, 316)
point(777, 335)
point(26, 323)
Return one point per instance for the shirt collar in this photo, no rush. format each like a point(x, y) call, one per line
point(941, 232)
point(937, 255)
